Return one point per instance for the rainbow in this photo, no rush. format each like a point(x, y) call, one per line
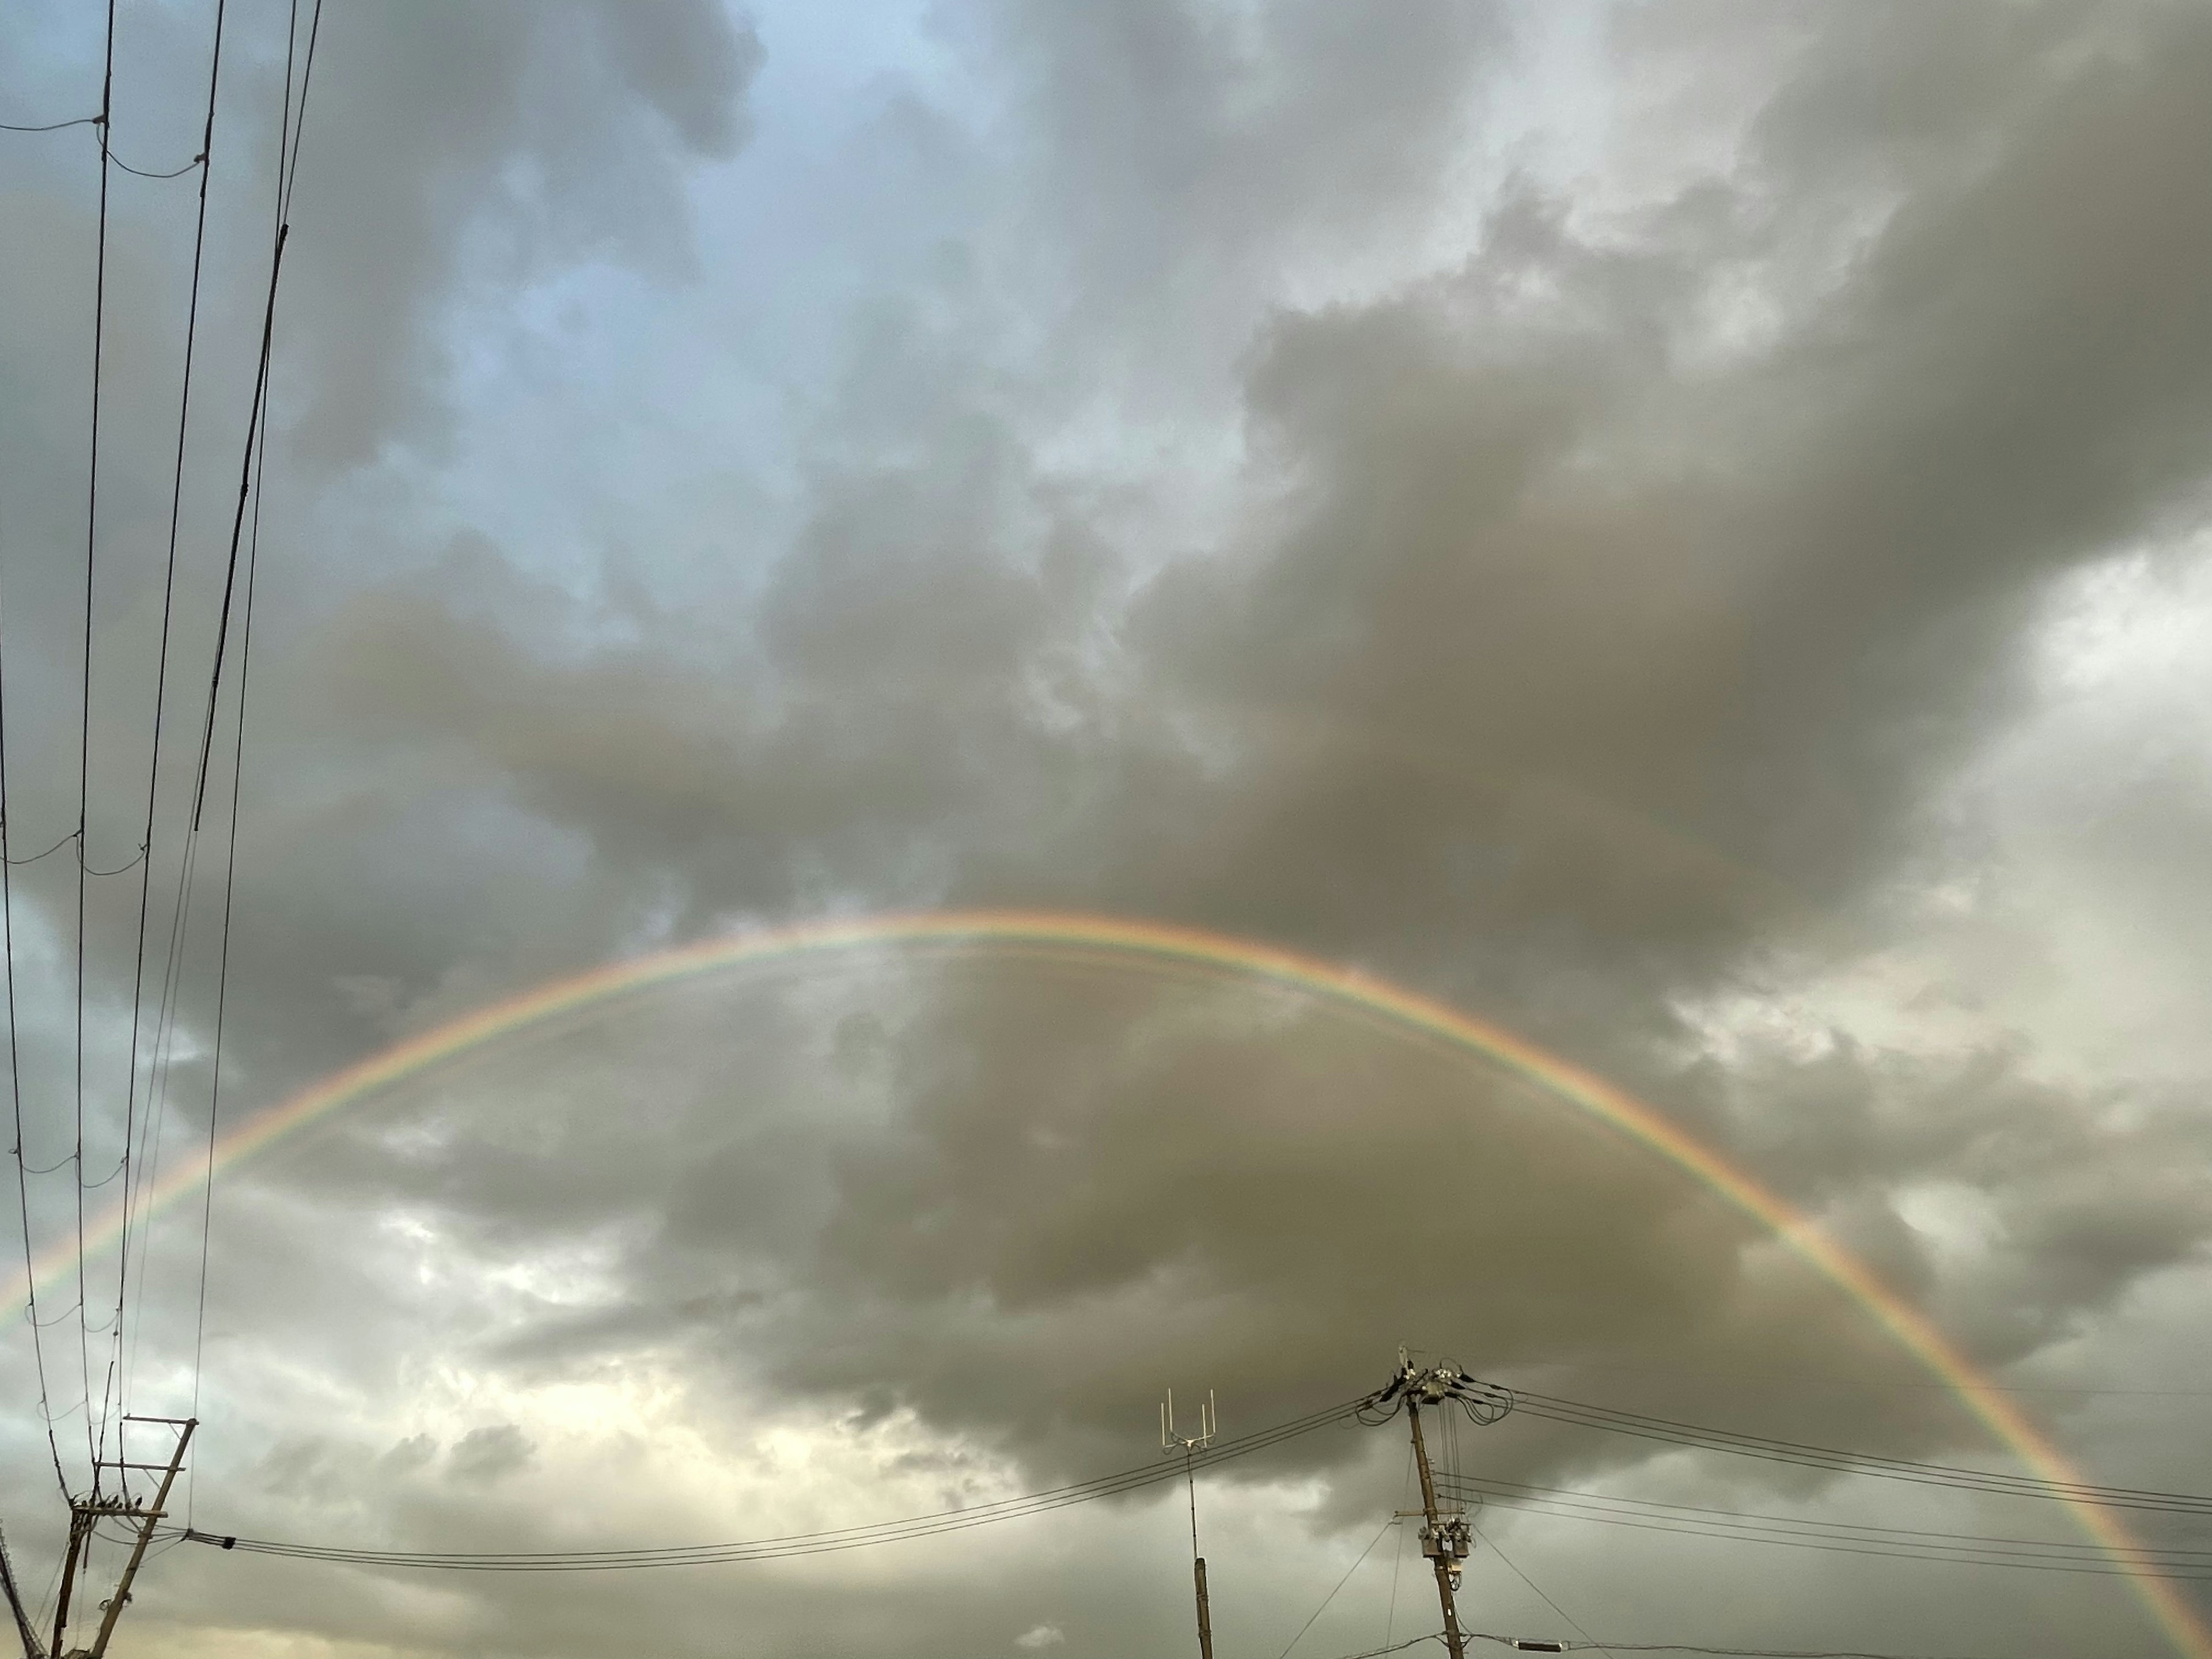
point(1126, 939)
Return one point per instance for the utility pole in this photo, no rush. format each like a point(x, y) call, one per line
point(1191, 1445)
point(1446, 1537)
point(23, 1615)
point(86, 1513)
point(1444, 1542)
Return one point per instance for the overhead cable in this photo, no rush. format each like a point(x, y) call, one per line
point(287, 170)
point(1906, 1542)
point(2030, 1554)
point(813, 1543)
point(84, 727)
point(174, 173)
point(1963, 1477)
point(1537, 1589)
point(15, 1100)
point(161, 675)
point(1531, 1644)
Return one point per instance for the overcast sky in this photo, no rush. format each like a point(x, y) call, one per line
point(1679, 528)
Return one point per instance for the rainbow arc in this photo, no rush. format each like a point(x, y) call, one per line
point(1159, 943)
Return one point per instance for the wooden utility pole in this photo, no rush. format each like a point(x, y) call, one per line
point(1446, 1536)
point(146, 1521)
point(80, 1525)
point(22, 1614)
point(86, 1513)
point(1444, 1542)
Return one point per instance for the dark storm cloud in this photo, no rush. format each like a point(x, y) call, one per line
point(1667, 627)
point(1511, 522)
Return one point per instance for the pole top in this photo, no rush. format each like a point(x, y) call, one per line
point(1185, 1444)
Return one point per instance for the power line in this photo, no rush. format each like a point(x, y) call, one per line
point(1341, 1584)
point(174, 173)
point(1399, 1647)
point(813, 1543)
point(1737, 1375)
point(285, 161)
point(161, 669)
point(2030, 1554)
point(84, 727)
point(56, 126)
point(1529, 1646)
point(56, 847)
point(1671, 1432)
point(1539, 1500)
point(292, 132)
point(122, 869)
point(16, 1097)
point(1541, 1596)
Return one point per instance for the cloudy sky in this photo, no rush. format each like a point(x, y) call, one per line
point(1681, 528)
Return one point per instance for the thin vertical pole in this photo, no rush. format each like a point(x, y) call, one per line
point(31, 1648)
point(79, 1524)
point(147, 1518)
point(1198, 1563)
point(1441, 1560)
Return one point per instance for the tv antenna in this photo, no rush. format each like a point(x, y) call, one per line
point(1190, 1445)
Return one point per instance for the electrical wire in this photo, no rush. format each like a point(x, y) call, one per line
point(56, 847)
point(1399, 1647)
point(56, 126)
point(174, 173)
point(162, 667)
point(1959, 1476)
point(1550, 1499)
point(813, 1543)
point(84, 728)
point(1341, 1584)
point(1528, 1645)
point(2028, 1554)
point(1823, 1380)
point(15, 1099)
point(254, 468)
point(1398, 1554)
point(1537, 1588)
point(287, 168)
point(119, 870)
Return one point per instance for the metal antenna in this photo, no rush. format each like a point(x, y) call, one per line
point(1190, 1445)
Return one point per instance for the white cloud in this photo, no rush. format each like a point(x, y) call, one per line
point(1043, 1636)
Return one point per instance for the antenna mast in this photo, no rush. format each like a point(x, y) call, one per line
point(1190, 1446)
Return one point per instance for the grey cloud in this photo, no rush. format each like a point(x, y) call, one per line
point(1505, 518)
point(1599, 621)
point(486, 1455)
point(455, 154)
